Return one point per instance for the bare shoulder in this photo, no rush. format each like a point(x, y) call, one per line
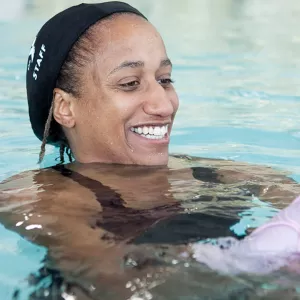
point(272, 184)
point(44, 185)
point(229, 169)
point(20, 187)
point(29, 181)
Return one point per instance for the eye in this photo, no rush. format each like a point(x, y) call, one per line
point(130, 85)
point(165, 82)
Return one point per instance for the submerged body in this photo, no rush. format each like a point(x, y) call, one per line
point(104, 225)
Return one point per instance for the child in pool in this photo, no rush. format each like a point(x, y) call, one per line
point(268, 248)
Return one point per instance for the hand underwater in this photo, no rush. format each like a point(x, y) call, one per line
point(270, 247)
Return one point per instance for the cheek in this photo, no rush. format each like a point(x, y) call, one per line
point(125, 107)
point(90, 118)
point(112, 114)
point(175, 101)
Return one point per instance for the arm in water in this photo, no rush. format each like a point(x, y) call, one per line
point(270, 247)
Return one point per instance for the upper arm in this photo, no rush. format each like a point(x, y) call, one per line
point(269, 184)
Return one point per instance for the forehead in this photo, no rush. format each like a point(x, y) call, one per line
point(123, 26)
point(128, 36)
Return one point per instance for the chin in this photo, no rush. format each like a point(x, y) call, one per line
point(159, 159)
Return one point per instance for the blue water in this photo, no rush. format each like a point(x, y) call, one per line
point(236, 70)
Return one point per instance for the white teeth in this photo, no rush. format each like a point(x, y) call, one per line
point(151, 132)
point(152, 137)
point(156, 131)
point(145, 130)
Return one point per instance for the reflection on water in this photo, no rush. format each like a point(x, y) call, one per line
point(118, 232)
point(235, 67)
point(183, 279)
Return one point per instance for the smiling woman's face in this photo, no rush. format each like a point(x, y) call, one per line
point(126, 111)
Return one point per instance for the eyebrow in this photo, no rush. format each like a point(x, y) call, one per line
point(139, 64)
point(166, 62)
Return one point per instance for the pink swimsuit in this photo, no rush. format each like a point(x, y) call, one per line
point(266, 249)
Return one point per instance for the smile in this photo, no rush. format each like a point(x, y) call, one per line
point(151, 132)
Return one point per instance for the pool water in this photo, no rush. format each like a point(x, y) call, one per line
point(237, 73)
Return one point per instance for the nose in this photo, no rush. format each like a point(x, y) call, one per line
point(159, 101)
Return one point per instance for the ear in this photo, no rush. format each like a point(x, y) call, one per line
point(63, 110)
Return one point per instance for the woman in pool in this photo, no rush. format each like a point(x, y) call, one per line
point(99, 86)
point(104, 88)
